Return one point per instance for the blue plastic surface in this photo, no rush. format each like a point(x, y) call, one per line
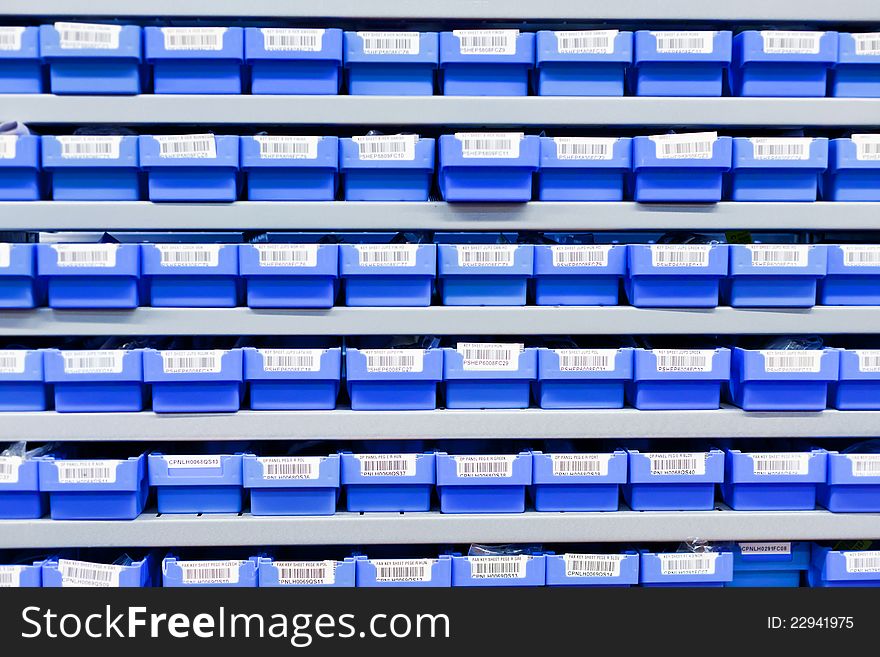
point(853, 169)
point(788, 64)
point(21, 69)
point(583, 378)
point(773, 169)
point(673, 481)
point(488, 167)
point(844, 568)
point(858, 385)
point(680, 63)
point(493, 376)
point(201, 60)
point(578, 482)
point(90, 275)
point(197, 484)
point(290, 275)
point(856, 74)
point(178, 573)
point(21, 381)
point(853, 276)
point(514, 570)
point(495, 62)
point(774, 380)
point(191, 175)
point(391, 63)
point(675, 275)
point(484, 274)
point(284, 168)
point(100, 381)
point(303, 62)
point(328, 574)
point(19, 287)
point(584, 168)
point(292, 379)
point(22, 575)
point(409, 573)
point(292, 485)
point(584, 569)
point(688, 379)
point(578, 275)
point(92, 168)
point(19, 167)
point(686, 569)
point(388, 482)
point(772, 276)
point(853, 483)
point(582, 63)
point(778, 564)
point(195, 381)
point(388, 274)
point(400, 380)
point(483, 483)
point(191, 275)
point(66, 572)
point(20, 495)
point(393, 173)
point(773, 481)
point(670, 174)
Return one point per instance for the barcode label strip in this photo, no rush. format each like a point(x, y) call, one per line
point(9, 469)
point(192, 362)
point(394, 360)
point(10, 576)
point(684, 360)
point(387, 465)
point(781, 464)
point(403, 570)
point(287, 255)
point(694, 146)
point(862, 562)
point(495, 145)
point(200, 146)
point(496, 467)
point(680, 255)
point(490, 356)
point(580, 465)
point(587, 360)
point(764, 148)
point(291, 360)
point(685, 42)
point(683, 463)
point(13, 361)
point(387, 255)
point(592, 565)
point(90, 147)
point(865, 465)
point(486, 255)
point(784, 43)
point(688, 564)
point(189, 255)
point(580, 255)
point(783, 361)
point(391, 43)
point(867, 43)
point(87, 472)
point(291, 467)
point(86, 255)
point(861, 256)
point(499, 567)
point(210, 572)
point(193, 38)
point(322, 573)
point(79, 36)
point(10, 37)
point(287, 148)
point(93, 362)
point(288, 39)
point(867, 147)
point(585, 148)
point(386, 147)
point(8, 147)
point(777, 255)
point(487, 42)
point(87, 574)
point(594, 42)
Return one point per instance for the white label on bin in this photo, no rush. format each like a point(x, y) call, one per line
point(486, 255)
point(12, 361)
point(8, 146)
point(86, 255)
point(189, 255)
point(789, 43)
point(5, 254)
point(861, 256)
point(290, 467)
point(490, 356)
point(192, 362)
point(788, 148)
point(386, 147)
point(685, 42)
point(494, 145)
point(394, 360)
point(189, 462)
point(288, 255)
point(201, 146)
point(499, 567)
point(688, 563)
point(680, 255)
point(487, 42)
point(387, 465)
point(403, 570)
point(9, 467)
point(292, 39)
point(591, 42)
point(781, 464)
point(580, 255)
point(692, 146)
point(210, 572)
point(867, 43)
point(287, 148)
point(83, 574)
point(10, 37)
point(869, 360)
point(104, 361)
point(390, 43)
point(863, 465)
point(678, 463)
point(684, 360)
point(779, 255)
point(87, 472)
point(764, 548)
point(291, 360)
point(193, 38)
point(10, 576)
point(592, 565)
point(585, 148)
point(74, 36)
point(387, 255)
point(308, 573)
point(586, 360)
point(867, 561)
point(91, 147)
point(580, 465)
point(496, 467)
point(780, 361)
point(867, 147)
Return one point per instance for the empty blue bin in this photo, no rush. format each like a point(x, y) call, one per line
point(19, 168)
point(22, 386)
point(678, 379)
point(673, 481)
point(292, 379)
point(292, 485)
point(856, 74)
point(769, 276)
point(195, 60)
point(21, 69)
point(388, 482)
point(393, 379)
point(22, 575)
point(844, 568)
point(578, 274)
point(778, 564)
point(489, 375)
point(680, 63)
point(191, 275)
point(853, 169)
point(409, 573)
point(858, 385)
point(290, 275)
point(584, 168)
point(98, 381)
point(685, 168)
point(773, 481)
point(484, 274)
point(488, 166)
point(853, 276)
point(290, 168)
point(95, 489)
point(686, 569)
point(580, 569)
point(234, 573)
point(386, 167)
point(486, 62)
point(327, 573)
point(583, 378)
point(195, 381)
point(388, 274)
point(87, 58)
point(98, 276)
point(92, 167)
point(675, 275)
point(488, 483)
point(304, 62)
point(197, 484)
point(200, 167)
point(90, 574)
point(852, 485)
point(391, 63)
point(20, 495)
point(19, 287)
point(582, 63)
point(578, 482)
point(782, 63)
point(500, 570)
point(777, 169)
point(782, 380)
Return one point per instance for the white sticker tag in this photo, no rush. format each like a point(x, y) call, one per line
point(486, 255)
point(587, 360)
point(90, 147)
point(189, 255)
point(288, 255)
point(210, 572)
point(86, 255)
point(865, 465)
point(191, 462)
point(8, 146)
point(87, 472)
point(499, 567)
point(193, 38)
point(10, 576)
point(290, 467)
point(684, 360)
point(592, 42)
point(403, 570)
point(867, 147)
point(103, 361)
point(13, 361)
point(387, 255)
point(779, 255)
point(862, 562)
point(487, 42)
point(495, 467)
point(390, 43)
point(764, 548)
point(781, 464)
point(387, 465)
point(678, 463)
point(315, 573)
point(83, 574)
point(669, 43)
point(585, 148)
point(789, 148)
point(9, 467)
point(680, 255)
point(692, 146)
point(291, 360)
point(208, 361)
point(690, 563)
point(867, 43)
point(580, 465)
point(386, 147)
point(10, 37)
point(861, 256)
point(291, 39)
point(869, 360)
point(780, 361)
point(490, 145)
point(592, 565)
point(490, 356)
point(580, 255)
point(394, 360)
point(5, 254)
point(202, 146)
point(287, 148)
point(787, 43)
point(77, 36)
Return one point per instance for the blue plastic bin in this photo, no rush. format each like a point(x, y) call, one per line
point(582, 63)
point(292, 485)
point(686, 168)
point(96, 381)
point(484, 274)
point(680, 63)
point(393, 379)
point(493, 483)
point(283, 168)
point(773, 481)
point(583, 378)
point(22, 575)
point(763, 565)
point(304, 62)
point(388, 482)
point(86, 58)
point(578, 274)
point(580, 569)
point(770, 276)
point(391, 63)
point(782, 63)
point(852, 485)
point(673, 481)
point(328, 573)
point(19, 168)
point(782, 380)
point(844, 568)
point(853, 276)
point(486, 62)
point(777, 169)
point(98, 276)
point(195, 60)
point(198, 483)
point(489, 375)
point(95, 489)
point(678, 379)
point(19, 287)
point(488, 166)
point(22, 386)
point(584, 168)
point(386, 167)
point(388, 274)
point(89, 574)
point(858, 385)
point(853, 169)
point(418, 573)
point(92, 167)
point(686, 569)
point(20, 495)
point(501, 570)
point(210, 574)
point(21, 69)
point(578, 482)
point(675, 275)
point(856, 73)
point(195, 381)
point(202, 167)
point(290, 275)
point(191, 275)
point(292, 379)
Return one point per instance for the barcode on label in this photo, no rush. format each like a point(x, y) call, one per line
point(779, 255)
point(390, 43)
point(202, 146)
point(592, 565)
point(865, 465)
point(13, 361)
point(693, 146)
point(596, 42)
point(477, 356)
point(862, 562)
point(780, 361)
point(87, 574)
point(486, 255)
point(585, 148)
point(10, 37)
point(681, 463)
point(86, 472)
point(192, 362)
point(386, 147)
point(10, 576)
point(5, 254)
point(500, 567)
point(306, 572)
point(869, 360)
point(484, 466)
point(387, 255)
point(781, 464)
point(685, 42)
point(96, 147)
point(210, 572)
point(289, 39)
point(861, 256)
point(287, 148)
point(8, 146)
point(9, 467)
point(765, 548)
point(765, 148)
point(189, 255)
point(487, 42)
point(291, 467)
point(291, 360)
point(403, 570)
point(288, 255)
point(586, 360)
point(867, 43)
point(193, 38)
point(85, 255)
point(73, 36)
point(688, 564)
point(581, 255)
point(394, 360)
point(780, 43)
point(190, 462)
point(867, 147)
point(500, 145)
point(684, 360)
point(93, 362)
point(387, 465)
point(580, 465)
point(680, 255)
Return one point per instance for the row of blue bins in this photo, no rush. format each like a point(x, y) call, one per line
point(84, 58)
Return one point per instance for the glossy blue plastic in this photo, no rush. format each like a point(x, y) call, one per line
point(788, 279)
point(327, 574)
point(292, 485)
point(388, 482)
point(778, 564)
point(578, 275)
point(191, 275)
point(212, 66)
point(592, 569)
point(584, 169)
point(802, 71)
point(484, 275)
point(853, 171)
point(798, 380)
point(388, 274)
point(489, 73)
point(505, 176)
point(200, 381)
point(516, 570)
point(844, 568)
point(197, 484)
point(290, 168)
point(678, 179)
point(778, 173)
point(21, 68)
point(476, 386)
point(22, 386)
point(19, 287)
point(408, 573)
point(385, 70)
point(682, 481)
point(111, 176)
point(858, 384)
point(853, 276)
point(22, 575)
point(20, 495)
point(90, 276)
point(20, 167)
point(583, 378)
point(483, 484)
point(710, 569)
point(172, 178)
point(302, 62)
point(776, 481)
point(105, 381)
point(856, 74)
point(691, 380)
point(392, 388)
point(676, 69)
point(591, 63)
point(292, 379)
point(853, 483)
point(177, 573)
point(137, 574)
point(290, 275)
point(578, 482)
point(386, 179)
point(675, 275)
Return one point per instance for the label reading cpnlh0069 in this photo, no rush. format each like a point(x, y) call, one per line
point(291, 39)
point(580, 465)
point(306, 573)
point(82, 574)
point(592, 565)
point(276, 468)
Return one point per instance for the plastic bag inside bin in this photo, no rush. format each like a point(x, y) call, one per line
point(20, 450)
point(689, 238)
point(802, 343)
point(476, 550)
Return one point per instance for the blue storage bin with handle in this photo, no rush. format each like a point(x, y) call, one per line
point(782, 379)
point(853, 276)
point(393, 274)
point(582, 378)
point(584, 168)
point(488, 166)
point(499, 570)
point(59, 572)
point(680, 63)
point(489, 375)
point(850, 568)
point(19, 287)
point(329, 573)
point(777, 168)
point(200, 167)
point(191, 275)
point(853, 169)
point(92, 167)
point(292, 485)
point(485, 483)
point(773, 481)
point(858, 385)
point(21, 67)
point(686, 569)
point(675, 275)
point(391, 63)
point(673, 481)
point(386, 167)
point(20, 168)
point(287, 168)
point(582, 62)
point(195, 381)
point(680, 168)
point(777, 565)
point(486, 62)
point(774, 275)
point(577, 481)
point(98, 276)
point(578, 274)
point(856, 74)
point(197, 483)
point(20, 494)
point(22, 387)
point(290, 275)
point(92, 59)
point(298, 61)
point(195, 60)
point(388, 482)
point(597, 570)
point(96, 381)
point(292, 379)
point(227, 573)
point(408, 573)
point(678, 379)
point(393, 379)
point(22, 575)
point(484, 274)
point(853, 483)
